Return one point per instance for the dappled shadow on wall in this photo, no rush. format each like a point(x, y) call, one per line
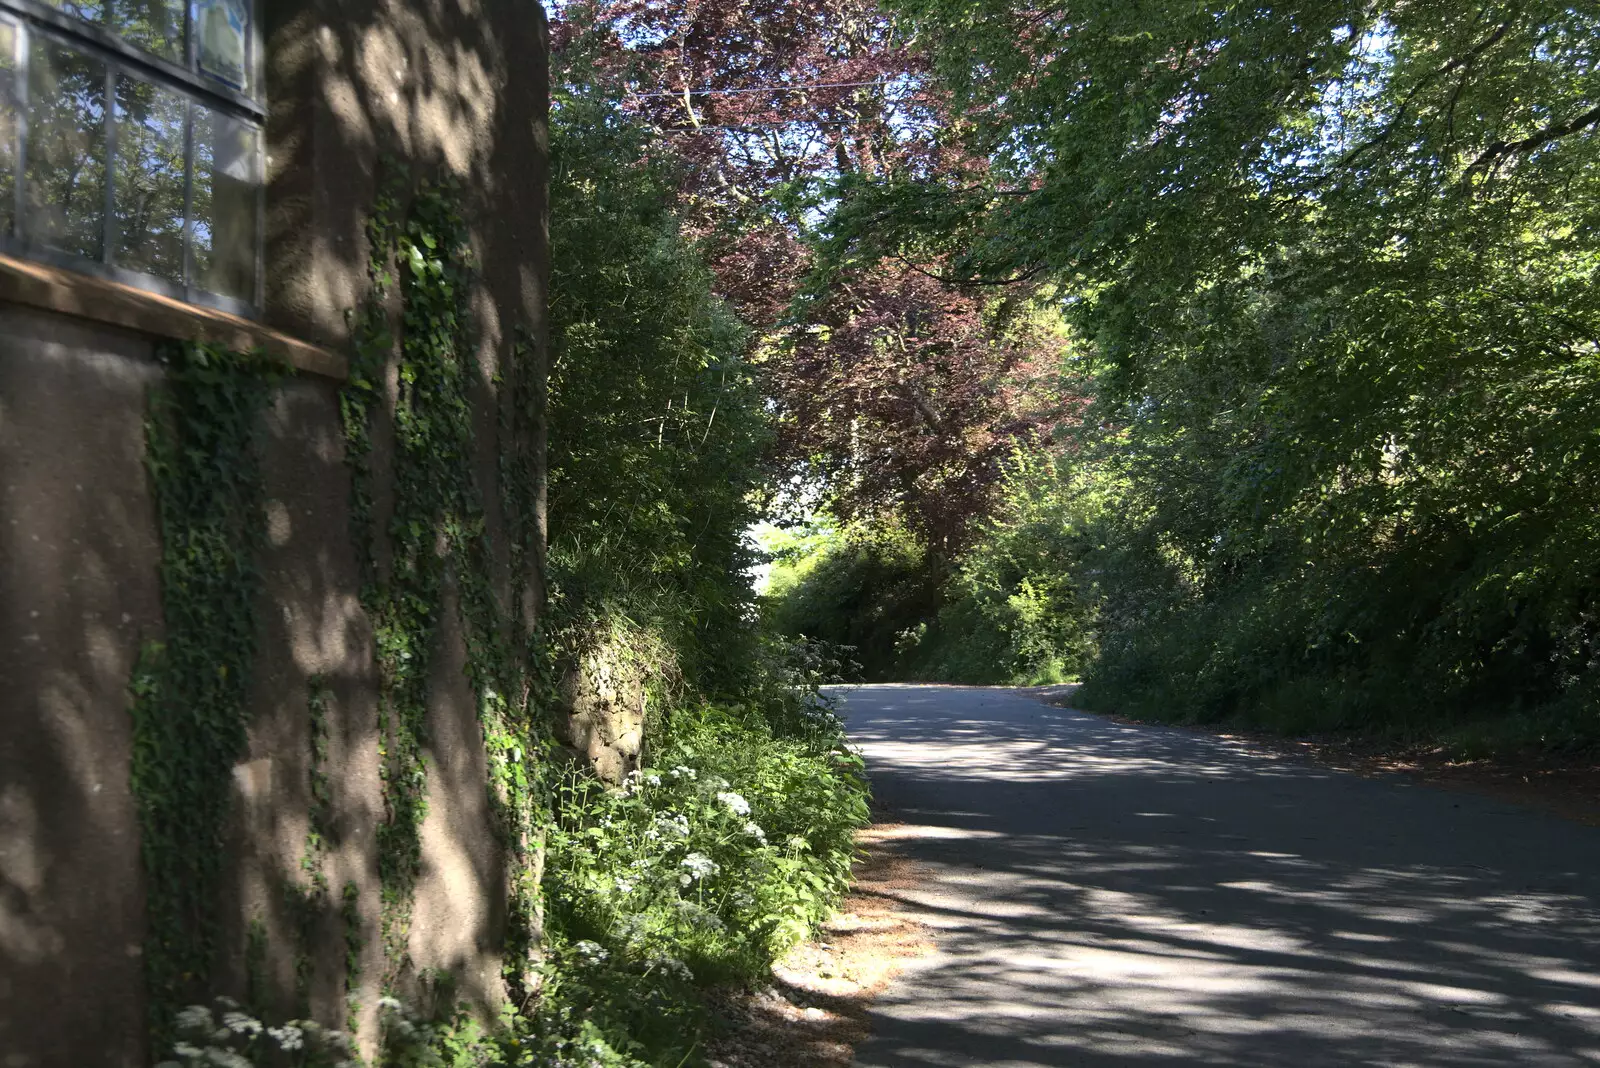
point(456, 91)
point(78, 594)
point(1115, 895)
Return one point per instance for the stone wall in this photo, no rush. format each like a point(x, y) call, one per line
point(449, 90)
point(602, 715)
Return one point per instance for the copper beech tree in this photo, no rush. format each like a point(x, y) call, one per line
point(896, 393)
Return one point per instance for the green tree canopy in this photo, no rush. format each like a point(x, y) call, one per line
point(1332, 268)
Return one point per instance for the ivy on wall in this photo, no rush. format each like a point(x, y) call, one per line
point(504, 662)
point(354, 943)
point(190, 690)
point(414, 377)
point(309, 901)
point(417, 376)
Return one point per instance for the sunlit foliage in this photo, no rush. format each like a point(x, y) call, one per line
point(1334, 266)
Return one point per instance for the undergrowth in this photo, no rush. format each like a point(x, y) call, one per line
point(702, 868)
point(1011, 607)
point(733, 843)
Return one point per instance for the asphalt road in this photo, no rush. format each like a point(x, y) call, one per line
point(1105, 894)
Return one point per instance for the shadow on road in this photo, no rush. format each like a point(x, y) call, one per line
point(1116, 894)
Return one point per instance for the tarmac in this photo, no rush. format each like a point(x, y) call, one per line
point(1109, 894)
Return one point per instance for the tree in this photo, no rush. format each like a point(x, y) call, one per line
point(906, 396)
point(1334, 266)
point(763, 107)
point(656, 430)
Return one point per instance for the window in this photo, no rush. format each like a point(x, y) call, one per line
point(130, 143)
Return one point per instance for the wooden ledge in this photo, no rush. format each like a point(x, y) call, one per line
point(83, 296)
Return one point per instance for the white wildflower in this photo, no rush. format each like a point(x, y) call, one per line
point(652, 779)
point(681, 772)
point(675, 967)
point(736, 804)
point(288, 1037)
point(592, 951)
point(700, 866)
point(240, 1024)
point(194, 1018)
point(183, 1049)
point(392, 1004)
point(753, 829)
point(624, 886)
point(673, 823)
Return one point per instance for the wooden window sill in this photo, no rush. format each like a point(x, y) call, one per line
point(67, 292)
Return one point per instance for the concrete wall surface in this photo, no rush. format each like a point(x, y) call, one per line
point(78, 594)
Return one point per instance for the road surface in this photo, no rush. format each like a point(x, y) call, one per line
point(1105, 894)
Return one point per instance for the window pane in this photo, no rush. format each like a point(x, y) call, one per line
point(225, 185)
point(8, 125)
point(154, 25)
point(66, 169)
point(149, 179)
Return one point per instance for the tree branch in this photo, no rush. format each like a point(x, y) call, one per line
point(1501, 149)
point(1462, 63)
point(952, 280)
